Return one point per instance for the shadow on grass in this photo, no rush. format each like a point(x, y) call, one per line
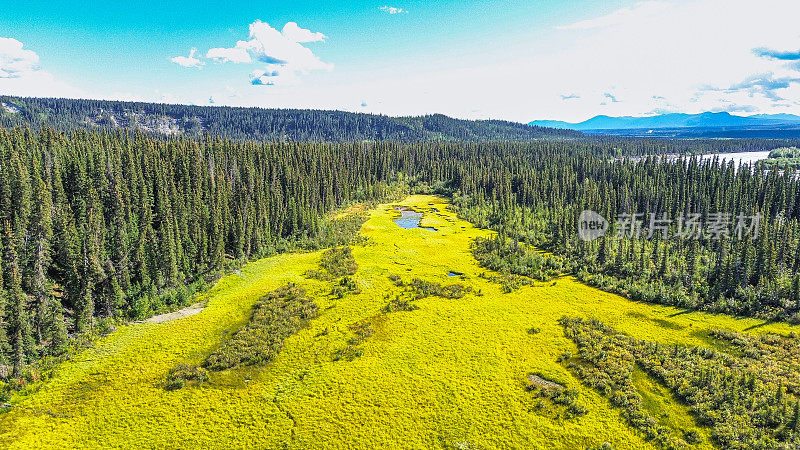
point(762, 324)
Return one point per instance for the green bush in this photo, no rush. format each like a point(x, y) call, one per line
point(399, 304)
point(339, 261)
point(692, 437)
point(183, 373)
point(348, 353)
point(362, 331)
point(345, 286)
point(510, 257)
point(424, 289)
point(276, 316)
point(396, 280)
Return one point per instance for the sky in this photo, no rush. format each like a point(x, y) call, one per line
point(488, 59)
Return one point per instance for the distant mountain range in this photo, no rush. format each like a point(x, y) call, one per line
point(708, 120)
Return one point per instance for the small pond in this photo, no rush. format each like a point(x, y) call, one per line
point(410, 219)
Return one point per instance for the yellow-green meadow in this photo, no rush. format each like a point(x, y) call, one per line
point(451, 374)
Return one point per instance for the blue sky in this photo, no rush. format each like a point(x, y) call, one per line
point(516, 60)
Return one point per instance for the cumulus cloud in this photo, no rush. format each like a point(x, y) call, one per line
point(765, 52)
point(189, 61)
point(15, 61)
point(620, 16)
point(293, 32)
point(282, 52)
point(611, 97)
point(570, 97)
point(393, 10)
point(21, 74)
point(237, 54)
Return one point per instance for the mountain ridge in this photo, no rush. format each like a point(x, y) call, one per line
point(673, 120)
point(259, 124)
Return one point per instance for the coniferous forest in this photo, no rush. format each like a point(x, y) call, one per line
point(99, 225)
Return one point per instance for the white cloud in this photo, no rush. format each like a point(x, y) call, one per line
point(294, 33)
point(237, 54)
point(20, 74)
point(282, 52)
point(241, 52)
point(620, 16)
point(393, 10)
point(15, 62)
point(189, 61)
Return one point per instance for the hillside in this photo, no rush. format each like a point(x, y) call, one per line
point(259, 123)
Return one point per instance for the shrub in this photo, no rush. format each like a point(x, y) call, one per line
point(426, 288)
point(345, 286)
point(399, 304)
point(362, 331)
point(692, 437)
point(319, 275)
point(182, 373)
point(341, 230)
point(339, 261)
point(348, 353)
point(276, 316)
point(509, 256)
